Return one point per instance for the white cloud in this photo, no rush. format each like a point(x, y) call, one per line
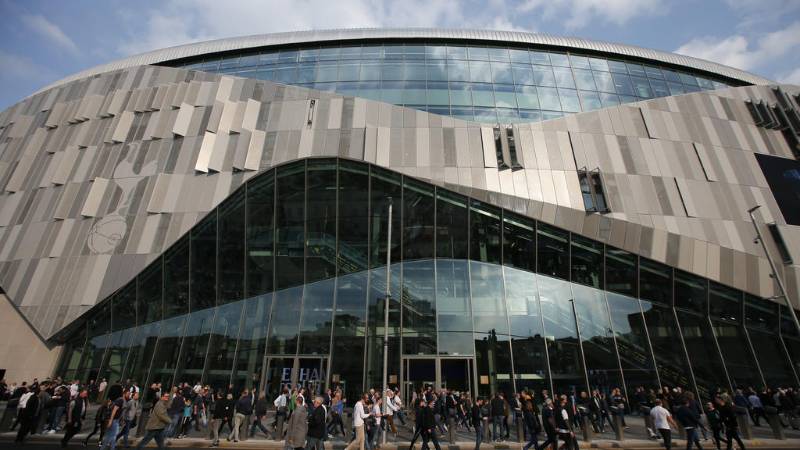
point(791, 77)
point(580, 13)
point(50, 31)
point(743, 52)
point(177, 22)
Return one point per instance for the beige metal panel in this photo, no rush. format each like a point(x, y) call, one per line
point(123, 127)
point(255, 150)
point(66, 163)
point(335, 113)
point(423, 145)
point(181, 126)
point(534, 185)
point(561, 188)
point(489, 150)
point(383, 146)
point(370, 145)
point(547, 187)
point(204, 157)
point(92, 203)
point(506, 182)
point(521, 183)
point(492, 179)
point(475, 147)
point(462, 147)
point(9, 207)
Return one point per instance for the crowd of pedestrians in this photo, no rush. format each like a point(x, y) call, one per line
point(305, 420)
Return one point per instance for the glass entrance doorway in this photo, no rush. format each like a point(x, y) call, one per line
point(419, 373)
point(309, 373)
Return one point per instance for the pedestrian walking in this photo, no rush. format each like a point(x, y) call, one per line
point(690, 420)
point(476, 414)
point(242, 409)
point(260, 410)
point(731, 423)
point(27, 416)
point(662, 420)
point(360, 414)
point(315, 437)
point(157, 423)
point(76, 412)
point(297, 426)
point(532, 425)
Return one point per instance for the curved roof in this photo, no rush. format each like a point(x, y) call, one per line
point(299, 37)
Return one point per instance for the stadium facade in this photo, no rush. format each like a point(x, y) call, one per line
point(565, 214)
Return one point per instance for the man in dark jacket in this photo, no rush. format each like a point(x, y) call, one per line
point(243, 409)
point(549, 423)
point(428, 422)
point(497, 409)
point(28, 417)
point(219, 416)
point(76, 411)
point(316, 426)
point(731, 425)
point(175, 411)
point(477, 421)
point(690, 421)
point(260, 410)
point(715, 422)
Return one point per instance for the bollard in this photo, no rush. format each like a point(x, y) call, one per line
point(619, 432)
point(520, 429)
point(586, 425)
point(487, 431)
point(744, 422)
point(451, 429)
point(774, 422)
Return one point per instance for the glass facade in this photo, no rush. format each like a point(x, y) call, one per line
point(471, 82)
point(285, 282)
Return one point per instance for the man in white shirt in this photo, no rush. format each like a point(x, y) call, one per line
point(662, 420)
point(359, 414)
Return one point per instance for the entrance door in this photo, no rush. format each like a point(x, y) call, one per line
point(418, 374)
point(456, 374)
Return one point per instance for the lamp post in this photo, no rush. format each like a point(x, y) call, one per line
point(774, 268)
point(386, 316)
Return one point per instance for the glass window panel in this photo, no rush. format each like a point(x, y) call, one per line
point(204, 263)
point(566, 365)
point(384, 185)
point(552, 251)
point(548, 98)
point(527, 336)
point(393, 51)
point(504, 96)
point(478, 53)
point(456, 52)
point(772, 360)
point(642, 87)
point(192, 357)
point(327, 71)
point(349, 72)
point(321, 220)
point(290, 225)
point(690, 292)
point(222, 345)
point(604, 82)
point(370, 90)
point(435, 52)
point(598, 64)
point(788, 327)
point(287, 56)
point(760, 314)
point(231, 248)
point(569, 100)
point(370, 71)
point(671, 75)
point(636, 70)
point(480, 71)
point(579, 62)
point(482, 94)
point(584, 79)
point(451, 226)
point(655, 282)
point(597, 339)
point(522, 74)
point(590, 100)
point(285, 74)
point(691, 88)
point(653, 72)
point(527, 97)
point(418, 220)
point(308, 54)
point(485, 239)
point(634, 348)
point(725, 303)
point(622, 84)
point(461, 113)
point(376, 307)
point(453, 307)
point(501, 73)
point(393, 71)
point(520, 56)
point(540, 58)
point(457, 70)
point(415, 71)
point(437, 94)
point(372, 52)
point(688, 79)
point(285, 321)
point(609, 100)
point(519, 242)
point(353, 216)
point(620, 271)
point(268, 58)
point(252, 343)
point(547, 115)
point(419, 308)
point(260, 234)
point(316, 318)
point(709, 371)
point(739, 360)
point(498, 54)
point(436, 71)
point(563, 77)
point(559, 59)
point(169, 344)
point(543, 76)
point(268, 74)
point(628, 99)
point(248, 60)
point(349, 324)
point(414, 93)
point(491, 326)
point(617, 66)
point(705, 83)
point(229, 62)
point(659, 88)
point(348, 88)
point(507, 115)
point(587, 261)
point(662, 329)
point(306, 73)
point(176, 279)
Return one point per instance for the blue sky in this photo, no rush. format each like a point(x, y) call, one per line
point(43, 41)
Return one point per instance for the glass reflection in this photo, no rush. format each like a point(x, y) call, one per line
point(563, 345)
point(635, 354)
point(527, 337)
point(597, 339)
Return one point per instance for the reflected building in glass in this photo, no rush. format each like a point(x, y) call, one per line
point(566, 215)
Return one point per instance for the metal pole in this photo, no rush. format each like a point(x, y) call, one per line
point(386, 318)
point(773, 267)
